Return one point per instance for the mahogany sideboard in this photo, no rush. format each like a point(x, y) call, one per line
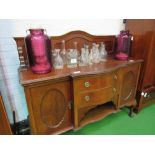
point(73, 97)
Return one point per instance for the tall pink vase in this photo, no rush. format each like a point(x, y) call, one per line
point(123, 45)
point(38, 49)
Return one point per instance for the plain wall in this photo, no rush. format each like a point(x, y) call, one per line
point(58, 27)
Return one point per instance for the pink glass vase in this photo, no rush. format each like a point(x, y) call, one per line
point(123, 45)
point(38, 49)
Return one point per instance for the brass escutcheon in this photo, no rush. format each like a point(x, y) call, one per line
point(87, 98)
point(87, 84)
point(115, 77)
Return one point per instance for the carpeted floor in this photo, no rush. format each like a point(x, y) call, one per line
point(121, 124)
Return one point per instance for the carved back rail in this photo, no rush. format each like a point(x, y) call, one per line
point(80, 37)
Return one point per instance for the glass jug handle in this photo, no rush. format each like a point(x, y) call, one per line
point(27, 31)
point(45, 31)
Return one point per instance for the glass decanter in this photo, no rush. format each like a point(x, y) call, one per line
point(63, 53)
point(86, 54)
point(77, 53)
point(54, 54)
point(90, 57)
point(57, 61)
point(72, 58)
point(84, 59)
point(103, 52)
point(95, 53)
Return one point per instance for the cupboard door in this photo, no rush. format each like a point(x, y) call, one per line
point(50, 104)
point(129, 83)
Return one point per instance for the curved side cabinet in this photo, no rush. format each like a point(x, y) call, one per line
point(129, 84)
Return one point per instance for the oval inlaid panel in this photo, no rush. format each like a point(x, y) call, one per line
point(128, 85)
point(53, 108)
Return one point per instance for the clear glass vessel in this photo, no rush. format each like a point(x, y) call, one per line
point(72, 58)
point(95, 53)
point(90, 57)
point(84, 58)
point(57, 60)
point(103, 52)
point(63, 53)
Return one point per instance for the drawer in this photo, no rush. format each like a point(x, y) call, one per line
point(95, 97)
point(94, 82)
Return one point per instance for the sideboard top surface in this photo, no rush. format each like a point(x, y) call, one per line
point(28, 77)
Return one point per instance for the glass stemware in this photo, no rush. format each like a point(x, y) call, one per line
point(57, 60)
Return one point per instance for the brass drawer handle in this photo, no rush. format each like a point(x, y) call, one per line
point(87, 84)
point(87, 98)
point(114, 89)
point(115, 77)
